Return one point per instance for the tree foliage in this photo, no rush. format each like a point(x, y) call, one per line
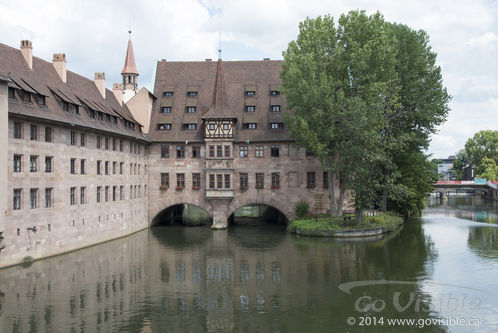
point(366, 95)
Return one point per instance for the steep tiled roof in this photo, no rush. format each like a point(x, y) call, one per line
point(129, 65)
point(201, 76)
point(44, 80)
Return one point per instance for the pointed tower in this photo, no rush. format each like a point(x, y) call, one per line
point(129, 73)
point(219, 123)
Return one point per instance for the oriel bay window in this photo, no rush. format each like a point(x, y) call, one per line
point(227, 181)
point(211, 181)
point(227, 151)
point(211, 151)
point(180, 180)
point(219, 181)
point(219, 151)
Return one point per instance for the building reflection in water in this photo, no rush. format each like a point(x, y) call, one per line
point(177, 279)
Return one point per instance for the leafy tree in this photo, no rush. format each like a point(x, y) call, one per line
point(489, 169)
point(461, 161)
point(483, 145)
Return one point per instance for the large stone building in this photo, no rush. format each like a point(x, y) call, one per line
point(84, 164)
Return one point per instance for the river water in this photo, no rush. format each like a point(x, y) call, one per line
point(440, 271)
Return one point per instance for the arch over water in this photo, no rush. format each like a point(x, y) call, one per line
point(174, 214)
point(275, 205)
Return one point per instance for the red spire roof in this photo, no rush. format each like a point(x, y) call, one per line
point(220, 107)
point(129, 65)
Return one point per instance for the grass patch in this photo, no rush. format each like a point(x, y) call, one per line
point(325, 225)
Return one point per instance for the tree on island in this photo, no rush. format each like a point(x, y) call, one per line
point(366, 95)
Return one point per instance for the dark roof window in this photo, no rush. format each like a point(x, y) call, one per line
point(166, 109)
point(163, 127)
point(168, 94)
point(250, 125)
point(250, 93)
point(274, 93)
point(12, 93)
point(191, 109)
point(277, 125)
point(250, 108)
point(275, 108)
point(192, 94)
point(189, 127)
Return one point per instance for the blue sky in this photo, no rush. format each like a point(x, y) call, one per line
point(93, 34)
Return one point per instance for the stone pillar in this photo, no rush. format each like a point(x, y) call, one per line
point(220, 214)
point(4, 130)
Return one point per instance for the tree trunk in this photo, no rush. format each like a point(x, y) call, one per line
point(331, 187)
point(358, 215)
point(340, 203)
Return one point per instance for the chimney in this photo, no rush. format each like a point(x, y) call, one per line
point(27, 52)
point(59, 61)
point(100, 82)
point(117, 90)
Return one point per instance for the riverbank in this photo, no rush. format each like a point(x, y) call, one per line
point(344, 226)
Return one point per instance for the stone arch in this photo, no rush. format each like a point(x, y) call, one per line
point(164, 205)
point(280, 205)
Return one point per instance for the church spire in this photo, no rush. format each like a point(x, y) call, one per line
point(129, 73)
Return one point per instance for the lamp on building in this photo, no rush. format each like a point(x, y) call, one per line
point(186, 142)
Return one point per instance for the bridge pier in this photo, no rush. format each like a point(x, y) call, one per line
point(219, 213)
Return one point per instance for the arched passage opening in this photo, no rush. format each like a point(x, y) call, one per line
point(257, 215)
point(182, 214)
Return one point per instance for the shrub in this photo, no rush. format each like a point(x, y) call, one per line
point(302, 209)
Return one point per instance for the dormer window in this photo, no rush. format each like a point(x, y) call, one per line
point(166, 109)
point(163, 127)
point(249, 125)
point(189, 127)
point(250, 108)
point(191, 109)
point(277, 125)
point(12, 93)
point(168, 94)
point(65, 106)
point(26, 97)
point(100, 115)
point(274, 93)
point(42, 100)
point(275, 108)
point(192, 94)
point(250, 93)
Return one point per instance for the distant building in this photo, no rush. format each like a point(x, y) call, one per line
point(445, 168)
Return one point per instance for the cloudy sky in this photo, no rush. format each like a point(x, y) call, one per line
point(93, 34)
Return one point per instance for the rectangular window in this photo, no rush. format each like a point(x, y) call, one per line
point(191, 109)
point(275, 180)
point(48, 134)
point(243, 151)
point(244, 181)
point(191, 93)
point(17, 130)
point(196, 181)
point(164, 180)
point(72, 196)
point(180, 151)
point(211, 151)
point(163, 127)
point(227, 181)
point(73, 138)
point(121, 167)
point(99, 143)
point(164, 151)
point(48, 197)
point(275, 151)
point(325, 179)
point(121, 192)
point(219, 151)
point(168, 94)
point(33, 132)
point(82, 166)
point(260, 151)
point(17, 199)
point(17, 163)
point(106, 167)
point(249, 126)
point(26, 96)
point(250, 108)
point(114, 144)
point(121, 145)
point(227, 151)
point(106, 193)
point(189, 127)
point(42, 100)
point(275, 108)
point(106, 143)
point(33, 163)
point(12, 93)
point(33, 196)
point(82, 195)
point(196, 151)
point(82, 139)
point(48, 164)
point(114, 193)
point(211, 181)
point(114, 167)
point(99, 189)
point(277, 125)
point(310, 180)
point(180, 180)
point(274, 93)
point(65, 106)
point(73, 166)
point(166, 109)
point(260, 180)
point(219, 181)
point(250, 93)
point(99, 167)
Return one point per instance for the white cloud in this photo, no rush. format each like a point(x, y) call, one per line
point(93, 35)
